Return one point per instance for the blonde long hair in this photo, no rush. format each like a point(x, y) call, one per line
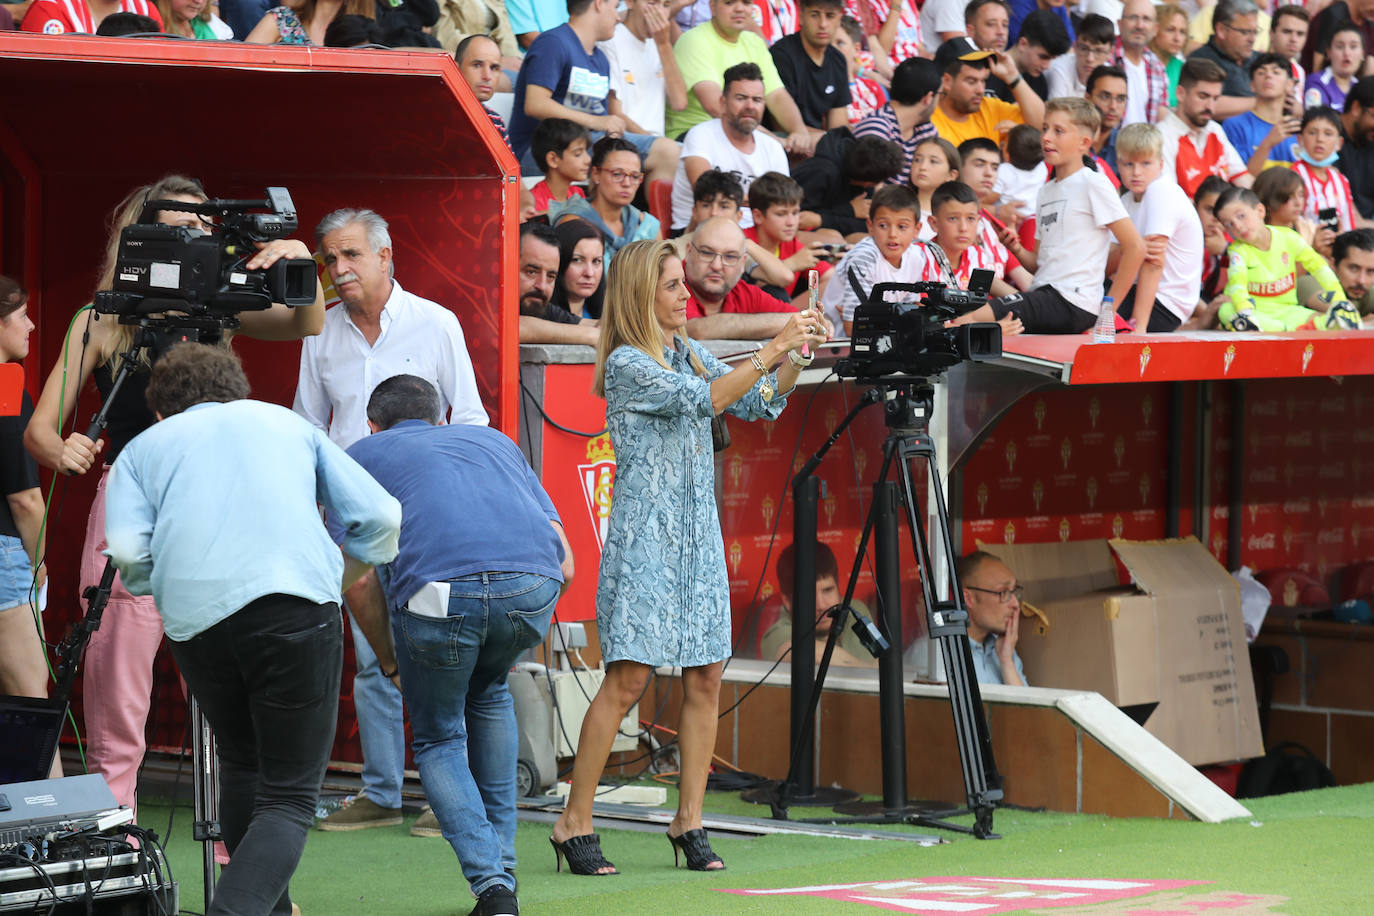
point(126, 214)
point(628, 317)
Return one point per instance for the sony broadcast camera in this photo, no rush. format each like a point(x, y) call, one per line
point(904, 338)
point(162, 268)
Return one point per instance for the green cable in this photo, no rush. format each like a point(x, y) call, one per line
point(43, 527)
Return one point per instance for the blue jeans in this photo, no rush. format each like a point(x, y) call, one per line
point(462, 719)
point(381, 726)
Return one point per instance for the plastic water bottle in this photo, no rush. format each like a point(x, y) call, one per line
point(1105, 329)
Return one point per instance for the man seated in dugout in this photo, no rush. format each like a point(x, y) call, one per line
point(777, 639)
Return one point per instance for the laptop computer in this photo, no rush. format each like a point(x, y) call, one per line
point(29, 729)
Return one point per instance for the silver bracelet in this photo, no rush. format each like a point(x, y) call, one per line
point(799, 361)
point(758, 362)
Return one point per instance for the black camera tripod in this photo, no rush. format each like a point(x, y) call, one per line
point(907, 405)
point(152, 334)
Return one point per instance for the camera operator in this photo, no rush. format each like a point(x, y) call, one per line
point(119, 661)
point(255, 628)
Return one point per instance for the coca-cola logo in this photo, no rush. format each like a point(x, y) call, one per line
point(1264, 409)
point(1331, 472)
point(1298, 440)
point(1264, 475)
point(1331, 536)
point(1297, 507)
point(1262, 541)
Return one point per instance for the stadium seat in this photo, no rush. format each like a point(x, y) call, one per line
point(661, 205)
point(1356, 581)
point(1294, 588)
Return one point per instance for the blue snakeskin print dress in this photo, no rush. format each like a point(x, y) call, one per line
point(663, 596)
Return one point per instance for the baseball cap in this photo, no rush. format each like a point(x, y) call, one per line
point(962, 49)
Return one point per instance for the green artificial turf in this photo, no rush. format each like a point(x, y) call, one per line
point(1300, 854)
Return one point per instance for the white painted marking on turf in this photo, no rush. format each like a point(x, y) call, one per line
point(946, 906)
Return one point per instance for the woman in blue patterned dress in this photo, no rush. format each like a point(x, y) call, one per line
point(663, 596)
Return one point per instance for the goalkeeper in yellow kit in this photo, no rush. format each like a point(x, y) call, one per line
point(1261, 279)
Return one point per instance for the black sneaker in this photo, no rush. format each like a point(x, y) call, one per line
point(496, 901)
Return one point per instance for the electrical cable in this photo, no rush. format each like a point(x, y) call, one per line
point(753, 607)
point(48, 885)
point(549, 420)
point(44, 526)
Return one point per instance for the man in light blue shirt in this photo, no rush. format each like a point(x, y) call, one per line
point(993, 598)
point(212, 510)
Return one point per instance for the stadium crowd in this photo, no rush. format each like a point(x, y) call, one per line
point(1185, 167)
point(1205, 166)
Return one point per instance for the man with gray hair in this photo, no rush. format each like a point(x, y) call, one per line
point(1147, 82)
point(1235, 25)
point(377, 330)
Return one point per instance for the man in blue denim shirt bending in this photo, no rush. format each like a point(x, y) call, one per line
point(482, 561)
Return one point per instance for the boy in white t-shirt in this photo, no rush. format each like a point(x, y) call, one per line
point(1078, 213)
point(886, 255)
point(1166, 291)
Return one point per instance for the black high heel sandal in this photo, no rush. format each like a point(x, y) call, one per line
point(583, 854)
point(696, 849)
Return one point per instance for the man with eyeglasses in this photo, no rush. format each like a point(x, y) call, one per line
point(1232, 47)
point(1147, 82)
point(993, 598)
point(1068, 74)
point(720, 305)
point(732, 142)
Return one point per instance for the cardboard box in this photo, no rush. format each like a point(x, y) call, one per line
point(1174, 634)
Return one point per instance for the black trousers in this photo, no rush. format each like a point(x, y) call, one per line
point(267, 680)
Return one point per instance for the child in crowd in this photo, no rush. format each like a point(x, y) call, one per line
point(1170, 38)
point(934, 162)
point(1281, 191)
point(955, 251)
point(981, 156)
point(886, 255)
point(1021, 177)
point(776, 201)
point(1319, 142)
point(1077, 215)
point(1166, 291)
point(1344, 55)
point(1262, 274)
point(560, 148)
point(1214, 242)
point(718, 193)
point(866, 95)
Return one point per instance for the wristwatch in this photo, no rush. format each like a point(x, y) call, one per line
point(1014, 83)
point(799, 361)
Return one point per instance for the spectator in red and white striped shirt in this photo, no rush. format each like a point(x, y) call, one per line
point(866, 95)
point(61, 17)
point(1328, 191)
point(955, 251)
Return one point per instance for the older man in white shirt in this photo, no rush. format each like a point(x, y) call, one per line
point(377, 331)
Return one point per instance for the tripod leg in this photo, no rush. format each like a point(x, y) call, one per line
point(948, 624)
point(205, 776)
point(891, 697)
point(993, 778)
